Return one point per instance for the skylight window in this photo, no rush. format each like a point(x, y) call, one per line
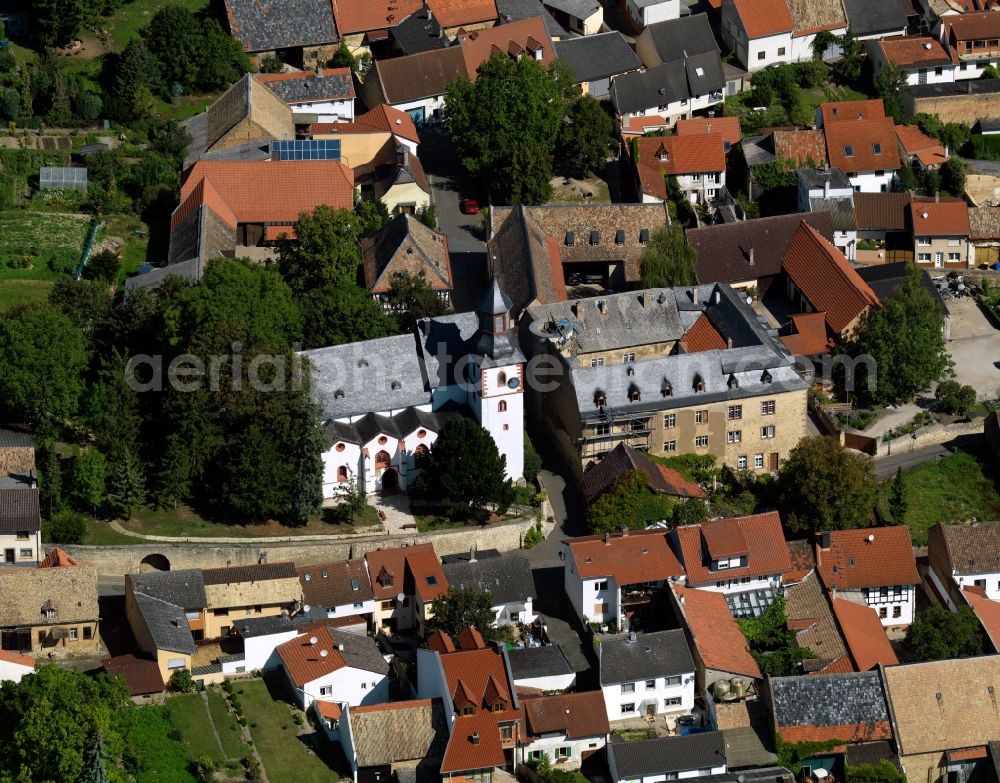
point(431, 580)
point(877, 148)
point(848, 150)
point(699, 71)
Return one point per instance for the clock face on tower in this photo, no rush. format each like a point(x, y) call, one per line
point(513, 383)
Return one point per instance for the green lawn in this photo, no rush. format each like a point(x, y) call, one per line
point(100, 534)
point(18, 292)
point(160, 757)
point(132, 16)
point(184, 107)
point(226, 725)
point(285, 756)
point(953, 489)
point(190, 717)
point(183, 521)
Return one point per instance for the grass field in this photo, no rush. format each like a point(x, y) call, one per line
point(183, 521)
point(101, 534)
point(18, 292)
point(285, 755)
point(190, 717)
point(41, 233)
point(132, 16)
point(161, 758)
point(225, 724)
point(952, 489)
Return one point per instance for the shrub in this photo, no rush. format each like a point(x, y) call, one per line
point(181, 681)
point(65, 527)
point(953, 397)
point(986, 147)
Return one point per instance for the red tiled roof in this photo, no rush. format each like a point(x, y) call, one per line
point(915, 142)
point(820, 271)
point(764, 17)
point(13, 657)
point(724, 539)
point(455, 13)
point(359, 16)
point(849, 732)
point(864, 634)
point(266, 191)
point(441, 642)
point(862, 145)
point(274, 233)
point(57, 558)
point(911, 51)
point(470, 639)
point(636, 126)
point(854, 562)
point(631, 557)
point(328, 709)
point(801, 146)
point(836, 111)
point(381, 119)
point(767, 553)
point(474, 744)
point(973, 26)
point(967, 754)
point(987, 611)
point(527, 35)
point(841, 665)
point(408, 568)
point(810, 334)
point(801, 554)
point(577, 715)
point(702, 336)
point(141, 675)
point(556, 269)
point(691, 154)
point(603, 475)
point(718, 640)
point(727, 127)
point(303, 660)
point(472, 670)
point(940, 218)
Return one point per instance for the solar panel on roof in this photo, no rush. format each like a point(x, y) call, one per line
point(306, 149)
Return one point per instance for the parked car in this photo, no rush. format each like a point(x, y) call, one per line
point(469, 206)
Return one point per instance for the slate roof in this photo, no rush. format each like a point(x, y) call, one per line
point(329, 84)
point(961, 695)
point(724, 251)
point(972, 548)
point(400, 426)
point(575, 715)
point(593, 57)
point(141, 675)
point(821, 272)
point(280, 24)
point(19, 510)
point(867, 18)
point(253, 627)
point(714, 633)
point(417, 34)
point(603, 475)
point(184, 587)
point(864, 634)
point(515, 10)
point(190, 270)
point(688, 34)
point(849, 707)
point(12, 439)
point(960, 87)
point(841, 211)
point(405, 244)
point(167, 624)
point(399, 731)
point(333, 584)
point(667, 754)
point(816, 179)
point(852, 561)
point(631, 658)
point(257, 572)
point(506, 578)
point(528, 663)
point(670, 82)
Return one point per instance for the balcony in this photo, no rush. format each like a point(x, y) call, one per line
point(634, 597)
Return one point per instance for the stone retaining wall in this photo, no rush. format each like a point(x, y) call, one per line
point(929, 436)
point(127, 559)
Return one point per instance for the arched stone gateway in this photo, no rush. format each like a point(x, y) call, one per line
point(154, 563)
point(390, 482)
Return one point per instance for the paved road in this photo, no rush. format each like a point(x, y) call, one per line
point(887, 466)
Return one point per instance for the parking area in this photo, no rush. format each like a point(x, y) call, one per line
point(975, 348)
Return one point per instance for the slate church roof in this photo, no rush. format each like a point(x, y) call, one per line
point(263, 25)
point(850, 707)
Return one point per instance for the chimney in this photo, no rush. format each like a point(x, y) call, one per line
point(607, 539)
point(474, 739)
point(624, 531)
point(579, 310)
point(729, 342)
point(602, 305)
point(826, 187)
point(694, 295)
point(644, 300)
point(937, 197)
point(751, 255)
point(709, 126)
point(472, 554)
point(946, 151)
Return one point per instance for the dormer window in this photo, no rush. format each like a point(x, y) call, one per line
point(664, 155)
point(570, 239)
point(339, 394)
point(699, 383)
point(620, 236)
point(666, 389)
point(499, 706)
point(395, 385)
point(733, 382)
point(595, 237)
point(766, 377)
point(633, 393)
point(630, 372)
point(877, 148)
point(355, 584)
point(468, 710)
point(600, 399)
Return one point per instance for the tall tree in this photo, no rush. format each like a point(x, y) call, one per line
point(459, 608)
point(89, 479)
point(325, 250)
point(412, 298)
point(937, 634)
point(953, 176)
point(174, 37)
point(525, 177)
point(58, 21)
point(335, 315)
point(905, 340)
point(585, 138)
point(42, 359)
point(127, 484)
point(112, 408)
point(823, 486)
point(95, 768)
point(464, 465)
point(668, 260)
point(891, 86)
point(135, 77)
point(898, 503)
point(50, 486)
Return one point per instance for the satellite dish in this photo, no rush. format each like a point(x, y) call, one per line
point(749, 300)
point(306, 608)
point(313, 640)
point(401, 597)
point(323, 653)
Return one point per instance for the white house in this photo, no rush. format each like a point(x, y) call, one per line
point(543, 668)
point(13, 666)
point(973, 39)
point(873, 566)
point(668, 758)
point(923, 58)
point(861, 142)
point(20, 525)
point(646, 675)
point(963, 556)
point(565, 727)
point(381, 399)
point(337, 590)
point(646, 12)
point(329, 665)
point(697, 161)
point(261, 636)
point(326, 95)
point(758, 32)
point(584, 17)
point(607, 576)
point(506, 577)
point(829, 190)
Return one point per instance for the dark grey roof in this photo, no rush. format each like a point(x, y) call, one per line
point(264, 626)
point(255, 572)
point(516, 10)
point(168, 627)
point(12, 439)
point(677, 39)
point(593, 57)
point(963, 87)
point(19, 510)
point(581, 9)
point(867, 18)
point(417, 33)
point(816, 179)
point(870, 753)
point(360, 652)
point(634, 657)
point(531, 662)
point(668, 754)
point(190, 270)
point(988, 124)
point(830, 700)
point(201, 671)
point(231, 658)
point(884, 279)
point(667, 83)
point(281, 24)
point(506, 578)
point(841, 211)
point(325, 86)
point(184, 588)
point(399, 426)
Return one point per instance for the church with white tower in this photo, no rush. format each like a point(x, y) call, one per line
point(385, 401)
